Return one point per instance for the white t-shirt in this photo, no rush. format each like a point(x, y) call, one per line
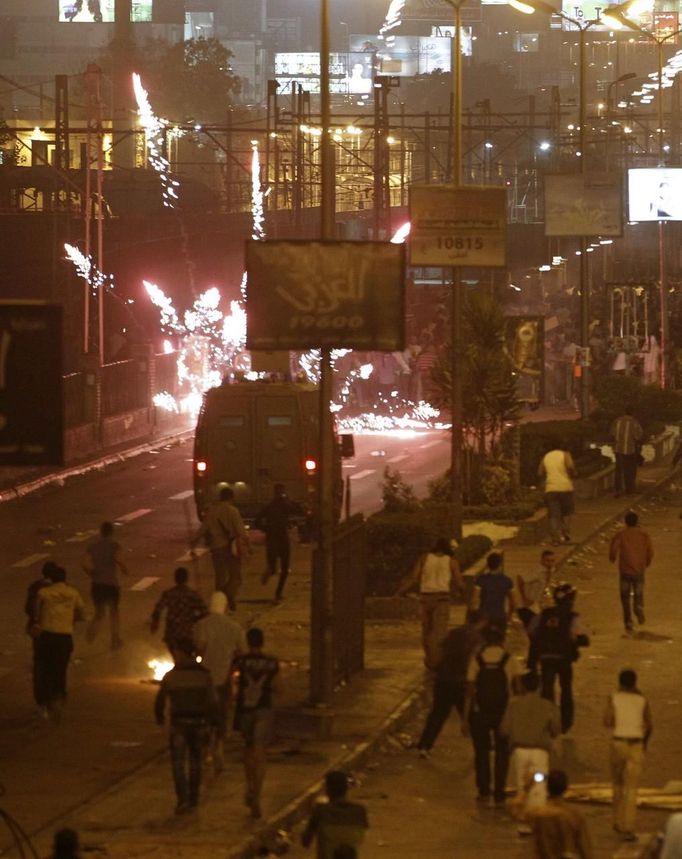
point(436, 574)
point(557, 478)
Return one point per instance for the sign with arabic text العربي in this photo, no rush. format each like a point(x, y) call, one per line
point(583, 204)
point(458, 226)
point(336, 295)
point(31, 423)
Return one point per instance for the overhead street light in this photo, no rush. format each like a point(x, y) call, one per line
point(617, 16)
point(528, 7)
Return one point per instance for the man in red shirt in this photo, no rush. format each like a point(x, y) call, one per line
point(633, 550)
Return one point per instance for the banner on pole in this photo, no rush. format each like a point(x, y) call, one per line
point(335, 295)
point(458, 226)
point(583, 204)
point(31, 409)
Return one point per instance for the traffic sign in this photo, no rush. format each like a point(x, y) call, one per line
point(31, 422)
point(458, 226)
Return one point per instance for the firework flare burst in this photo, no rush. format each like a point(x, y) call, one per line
point(154, 131)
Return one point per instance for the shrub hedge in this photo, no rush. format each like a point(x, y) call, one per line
point(395, 541)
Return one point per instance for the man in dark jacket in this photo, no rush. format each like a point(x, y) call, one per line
point(192, 708)
point(274, 520)
point(449, 685)
point(555, 639)
point(183, 606)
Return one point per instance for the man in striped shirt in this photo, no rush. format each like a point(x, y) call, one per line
point(627, 433)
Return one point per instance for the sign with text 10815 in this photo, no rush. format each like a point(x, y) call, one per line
point(337, 295)
point(458, 226)
point(31, 423)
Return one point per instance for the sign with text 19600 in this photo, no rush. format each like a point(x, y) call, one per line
point(458, 226)
point(31, 424)
point(337, 295)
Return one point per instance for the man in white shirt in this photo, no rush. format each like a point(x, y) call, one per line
point(534, 586)
point(219, 640)
point(629, 716)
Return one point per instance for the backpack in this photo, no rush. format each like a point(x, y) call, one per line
point(492, 686)
point(552, 636)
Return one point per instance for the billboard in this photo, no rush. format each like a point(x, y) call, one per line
point(524, 345)
point(406, 56)
point(464, 226)
point(31, 409)
point(338, 295)
point(583, 204)
point(350, 73)
point(655, 194)
point(104, 12)
point(141, 10)
point(87, 11)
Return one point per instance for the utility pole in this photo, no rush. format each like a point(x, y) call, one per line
point(322, 604)
point(122, 51)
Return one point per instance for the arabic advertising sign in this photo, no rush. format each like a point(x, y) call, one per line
point(589, 204)
point(31, 422)
point(337, 295)
point(464, 226)
point(524, 345)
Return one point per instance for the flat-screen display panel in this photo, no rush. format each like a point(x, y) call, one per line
point(655, 194)
point(86, 11)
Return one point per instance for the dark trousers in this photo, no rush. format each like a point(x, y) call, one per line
point(51, 660)
point(228, 577)
point(632, 586)
point(187, 741)
point(550, 669)
point(446, 695)
point(485, 734)
point(626, 472)
point(278, 550)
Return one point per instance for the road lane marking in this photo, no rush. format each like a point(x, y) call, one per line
point(81, 536)
point(399, 458)
point(136, 514)
point(183, 559)
point(182, 495)
point(30, 560)
point(431, 443)
point(361, 474)
point(144, 583)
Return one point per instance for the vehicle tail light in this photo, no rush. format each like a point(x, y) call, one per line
point(310, 466)
point(200, 466)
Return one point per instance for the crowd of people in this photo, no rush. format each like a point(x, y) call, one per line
point(509, 711)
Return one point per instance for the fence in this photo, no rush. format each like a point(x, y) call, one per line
point(125, 386)
point(347, 622)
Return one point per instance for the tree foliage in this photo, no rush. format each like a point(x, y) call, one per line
point(190, 81)
point(489, 388)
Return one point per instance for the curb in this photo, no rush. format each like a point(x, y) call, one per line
point(300, 807)
point(59, 477)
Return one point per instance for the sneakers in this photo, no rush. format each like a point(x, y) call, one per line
point(425, 754)
point(640, 618)
point(183, 807)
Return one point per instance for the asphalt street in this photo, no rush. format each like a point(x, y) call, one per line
point(109, 732)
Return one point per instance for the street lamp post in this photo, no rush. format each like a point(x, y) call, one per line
point(456, 376)
point(528, 7)
point(609, 111)
point(321, 633)
point(617, 16)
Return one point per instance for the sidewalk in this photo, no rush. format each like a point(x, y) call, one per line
point(134, 817)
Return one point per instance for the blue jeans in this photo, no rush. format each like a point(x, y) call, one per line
point(632, 585)
point(187, 741)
